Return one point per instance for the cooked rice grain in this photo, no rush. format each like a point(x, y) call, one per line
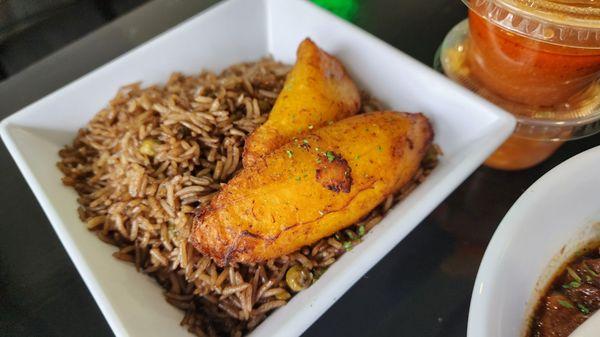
point(145, 162)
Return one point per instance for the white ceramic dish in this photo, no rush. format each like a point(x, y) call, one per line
point(555, 217)
point(589, 328)
point(467, 128)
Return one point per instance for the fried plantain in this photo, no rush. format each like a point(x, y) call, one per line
point(312, 187)
point(317, 90)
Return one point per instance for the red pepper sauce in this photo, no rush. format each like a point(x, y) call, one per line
point(529, 72)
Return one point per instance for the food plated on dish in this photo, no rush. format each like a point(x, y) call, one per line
point(159, 172)
point(540, 274)
point(466, 128)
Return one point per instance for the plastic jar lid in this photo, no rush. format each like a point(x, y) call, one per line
point(559, 123)
point(573, 23)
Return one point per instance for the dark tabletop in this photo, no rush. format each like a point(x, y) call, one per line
point(421, 288)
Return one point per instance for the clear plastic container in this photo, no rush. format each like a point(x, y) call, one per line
point(539, 60)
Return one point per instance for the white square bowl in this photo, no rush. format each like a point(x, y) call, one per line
point(467, 128)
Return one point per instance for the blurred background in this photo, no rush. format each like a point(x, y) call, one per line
point(32, 29)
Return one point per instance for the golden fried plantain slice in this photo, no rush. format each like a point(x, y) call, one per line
point(316, 91)
point(310, 188)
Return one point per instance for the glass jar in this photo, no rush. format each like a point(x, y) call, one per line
point(538, 59)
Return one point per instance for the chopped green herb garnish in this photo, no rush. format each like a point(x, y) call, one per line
point(298, 178)
point(379, 148)
point(295, 139)
point(357, 157)
point(573, 284)
point(573, 274)
point(431, 156)
point(171, 230)
point(588, 278)
point(347, 245)
point(317, 273)
point(318, 160)
point(330, 156)
point(351, 235)
point(589, 270)
point(583, 309)
point(304, 141)
point(148, 147)
point(337, 236)
point(566, 304)
point(330, 123)
point(289, 153)
point(361, 230)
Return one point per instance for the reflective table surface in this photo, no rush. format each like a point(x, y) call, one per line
point(421, 288)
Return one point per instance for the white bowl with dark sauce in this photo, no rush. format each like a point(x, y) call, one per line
point(549, 224)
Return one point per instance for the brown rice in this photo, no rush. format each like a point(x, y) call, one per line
point(146, 161)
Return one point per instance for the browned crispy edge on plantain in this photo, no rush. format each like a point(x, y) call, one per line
point(334, 173)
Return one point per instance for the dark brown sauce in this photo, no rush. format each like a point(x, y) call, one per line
point(571, 298)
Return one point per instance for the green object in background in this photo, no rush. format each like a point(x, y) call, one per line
point(346, 9)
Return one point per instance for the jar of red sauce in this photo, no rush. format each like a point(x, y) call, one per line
point(538, 59)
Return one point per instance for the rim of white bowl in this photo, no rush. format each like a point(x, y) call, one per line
point(504, 232)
